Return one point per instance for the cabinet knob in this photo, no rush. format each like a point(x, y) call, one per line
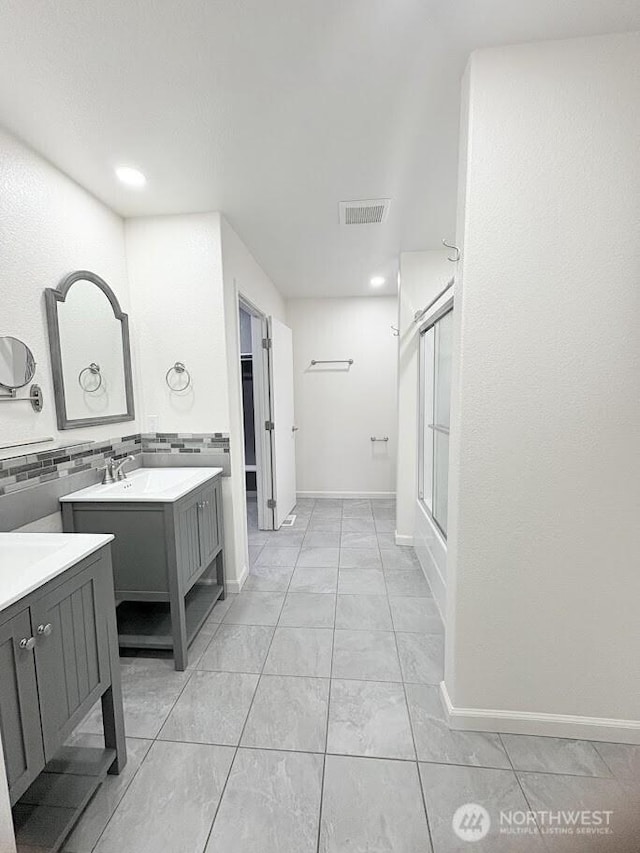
point(44, 630)
point(27, 643)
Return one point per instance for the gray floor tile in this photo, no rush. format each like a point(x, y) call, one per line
point(360, 558)
point(372, 806)
point(288, 712)
point(304, 505)
point(327, 512)
point(369, 718)
point(255, 608)
point(416, 615)
point(358, 525)
point(385, 525)
point(550, 792)
point(150, 689)
point(368, 655)
point(286, 537)
point(271, 804)
point(554, 755)
point(238, 648)
point(325, 525)
point(308, 610)
point(221, 607)
point(447, 788)
point(171, 803)
point(306, 579)
point(386, 540)
point(318, 557)
point(361, 582)
point(421, 657)
point(412, 583)
point(301, 651)
point(363, 613)
point(98, 813)
point(200, 643)
point(383, 510)
point(278, 555)
point(350, 539)
point(399, 558)
point(212, 708)
point(322, 539)
point(623, 759)
point(436, 742)
point(268, 579)
point(356, 508)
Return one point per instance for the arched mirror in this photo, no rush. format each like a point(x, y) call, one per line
point(90, 355)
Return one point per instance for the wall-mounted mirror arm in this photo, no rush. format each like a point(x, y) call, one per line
point(35, 397)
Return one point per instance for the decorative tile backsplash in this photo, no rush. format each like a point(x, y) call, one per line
point(33, 469)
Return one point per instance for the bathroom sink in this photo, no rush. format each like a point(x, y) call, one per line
point(28, 560)
point(146, 485)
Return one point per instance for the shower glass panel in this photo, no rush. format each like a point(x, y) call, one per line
point(435, 400)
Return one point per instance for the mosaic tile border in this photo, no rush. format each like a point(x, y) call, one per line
point(33, 469)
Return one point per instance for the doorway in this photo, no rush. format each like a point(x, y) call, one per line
point(266, 369)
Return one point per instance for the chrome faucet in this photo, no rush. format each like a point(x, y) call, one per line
point(118, 470)
point(107, 472)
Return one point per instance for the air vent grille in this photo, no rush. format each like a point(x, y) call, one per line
point(369, 212)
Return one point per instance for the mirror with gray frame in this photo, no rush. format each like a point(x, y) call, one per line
point(90, 354)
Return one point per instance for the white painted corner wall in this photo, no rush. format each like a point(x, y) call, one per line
point(543, 581)
point(339, 408)
point(242, 276)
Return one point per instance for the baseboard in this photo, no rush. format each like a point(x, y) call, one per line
point(529, 723)
point(348, 495)
point(403, 540)
point(235, 586)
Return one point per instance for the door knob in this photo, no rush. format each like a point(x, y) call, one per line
point(44, 630)
point(27, 643)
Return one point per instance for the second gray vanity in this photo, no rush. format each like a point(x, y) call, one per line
point(167, 553)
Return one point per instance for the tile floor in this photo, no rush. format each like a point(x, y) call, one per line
point(309, 720)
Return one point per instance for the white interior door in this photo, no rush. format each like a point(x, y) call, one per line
point(283, 436)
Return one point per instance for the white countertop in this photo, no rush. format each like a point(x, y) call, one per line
point(29, 560)
point(146, 485)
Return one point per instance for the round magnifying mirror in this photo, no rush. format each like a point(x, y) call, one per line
point(17, 364)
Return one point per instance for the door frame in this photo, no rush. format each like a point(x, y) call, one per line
point(261, 411)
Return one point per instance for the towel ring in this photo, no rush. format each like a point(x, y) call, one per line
point(180, 369)
point(94, 369)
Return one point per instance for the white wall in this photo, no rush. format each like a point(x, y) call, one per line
point(338, 410)
point(545, 469)
point(50, 227)
point(175, 268)
point(242, 276)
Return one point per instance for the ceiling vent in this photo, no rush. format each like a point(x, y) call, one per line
point(369, 212)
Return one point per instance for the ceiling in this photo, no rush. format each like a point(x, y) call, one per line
point(271, 111)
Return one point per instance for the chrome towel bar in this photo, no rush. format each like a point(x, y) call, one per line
point(385, 438)
point(332, 361)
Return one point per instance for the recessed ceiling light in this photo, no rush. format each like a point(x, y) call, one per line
point(377, 281)
point(130, 176)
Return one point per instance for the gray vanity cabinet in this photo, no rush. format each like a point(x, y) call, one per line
point(167, 563)
point(58, 656)
point(19, 720)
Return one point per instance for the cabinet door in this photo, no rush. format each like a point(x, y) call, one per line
point(19, 709)
point(210, 518)
point(188, 538)
point(72, 651)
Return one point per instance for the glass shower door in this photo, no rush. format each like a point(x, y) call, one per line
point(435, 386)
